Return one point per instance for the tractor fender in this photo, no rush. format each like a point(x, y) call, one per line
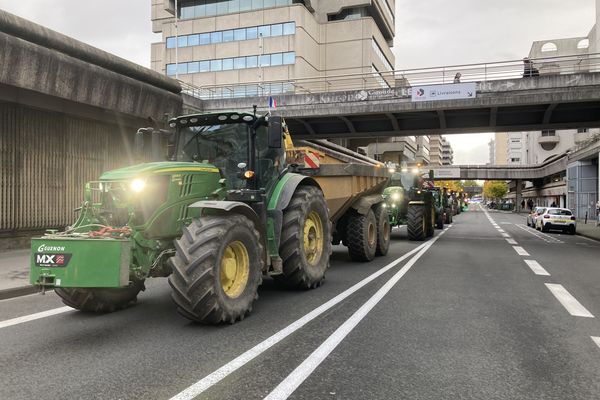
point(285, 188)
point(279, 200)
point(236, 207)
point(364, 204)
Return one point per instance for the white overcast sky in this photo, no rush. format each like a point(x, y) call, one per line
point(428, 33)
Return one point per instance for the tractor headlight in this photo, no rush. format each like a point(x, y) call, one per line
point(137, 185)
point(395, 196)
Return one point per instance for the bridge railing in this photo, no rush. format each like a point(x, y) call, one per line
point(406, 78)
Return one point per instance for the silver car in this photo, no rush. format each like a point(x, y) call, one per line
point(556, 218)
point(532, 216)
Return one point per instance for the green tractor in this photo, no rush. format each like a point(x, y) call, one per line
point(410, 202)
point(224, 210)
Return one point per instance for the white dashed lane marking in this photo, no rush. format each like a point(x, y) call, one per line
point(520, 251)
point(569, 302)
point(536, 268)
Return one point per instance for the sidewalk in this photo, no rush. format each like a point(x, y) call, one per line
point(589, 230)
point(14, 274)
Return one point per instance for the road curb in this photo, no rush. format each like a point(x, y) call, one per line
point(17, 292)
point(588, 236)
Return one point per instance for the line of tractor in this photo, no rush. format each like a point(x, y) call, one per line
point(224, 200)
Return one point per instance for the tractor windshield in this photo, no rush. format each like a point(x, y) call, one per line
point(224, 146)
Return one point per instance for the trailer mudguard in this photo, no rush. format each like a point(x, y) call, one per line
point(364, 204)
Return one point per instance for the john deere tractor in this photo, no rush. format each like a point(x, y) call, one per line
point(224, 210)
point(412, 202)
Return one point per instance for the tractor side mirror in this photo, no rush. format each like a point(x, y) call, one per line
point(275, 132)
point(140, 150)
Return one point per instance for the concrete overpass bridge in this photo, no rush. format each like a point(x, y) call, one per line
point(554, 166)
point(565, 95)
point(68, 111)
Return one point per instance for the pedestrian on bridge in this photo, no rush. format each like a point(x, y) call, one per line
point(528, 69)
point(457, 77)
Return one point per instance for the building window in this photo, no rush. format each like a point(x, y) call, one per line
point(266, 60)
point(515, 159)
point(380, 55)
point(582, 130)
point(288, 28)
point(550, 132)
point(379, 78)
point(209, 8)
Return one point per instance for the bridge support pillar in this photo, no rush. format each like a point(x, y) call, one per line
point(518, 196)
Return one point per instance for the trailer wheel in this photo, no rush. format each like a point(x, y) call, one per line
point(217, 269)
point(362, 236)
point(416, 225)
point(305, 239)
point(384, 230)
point(100, 300)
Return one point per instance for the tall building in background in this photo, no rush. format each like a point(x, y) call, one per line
point(440, 151)
point(492, 151)
point(447, 152)
point(500, 148)
point(220, 44)
point(435, 150)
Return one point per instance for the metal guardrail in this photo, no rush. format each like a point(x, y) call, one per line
point(493, 71)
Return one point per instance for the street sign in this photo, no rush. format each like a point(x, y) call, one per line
point(452, 91)
point(446, 173)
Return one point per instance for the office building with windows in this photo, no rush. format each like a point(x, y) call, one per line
point(238, 47)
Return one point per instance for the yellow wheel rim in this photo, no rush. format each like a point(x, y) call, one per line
point(235, 269)
point(313, 238)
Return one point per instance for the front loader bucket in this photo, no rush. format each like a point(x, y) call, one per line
point(80, 262)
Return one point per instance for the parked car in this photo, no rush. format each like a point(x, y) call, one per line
point(556, 219)
point(532, 216)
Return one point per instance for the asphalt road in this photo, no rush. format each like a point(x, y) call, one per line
point(461, 317)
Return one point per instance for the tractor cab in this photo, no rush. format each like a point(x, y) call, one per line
point(246, 149)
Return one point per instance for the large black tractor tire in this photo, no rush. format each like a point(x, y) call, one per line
point(362, 236)
point(306, 239)
point(217, 268)
point(416, 224)
point(448, 212)
point(430, 222)
point(384, 230)
point(100, 300)
point(439, 224)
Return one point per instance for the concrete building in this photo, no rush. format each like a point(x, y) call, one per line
point(491, 151)
point(435, 150)
point(221, 44)
point(397, 150)
point(440, 151)
point(447, 152)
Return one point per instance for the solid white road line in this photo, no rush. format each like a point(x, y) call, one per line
point(568, 301)
point(520, 251)
point(511, 241)
point(543, 236)
point(304, 370)
point(596, 340)
point(238, 362)
point(536, 267)
point(32, 317)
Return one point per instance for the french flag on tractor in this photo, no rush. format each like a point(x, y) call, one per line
point(272, 102)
